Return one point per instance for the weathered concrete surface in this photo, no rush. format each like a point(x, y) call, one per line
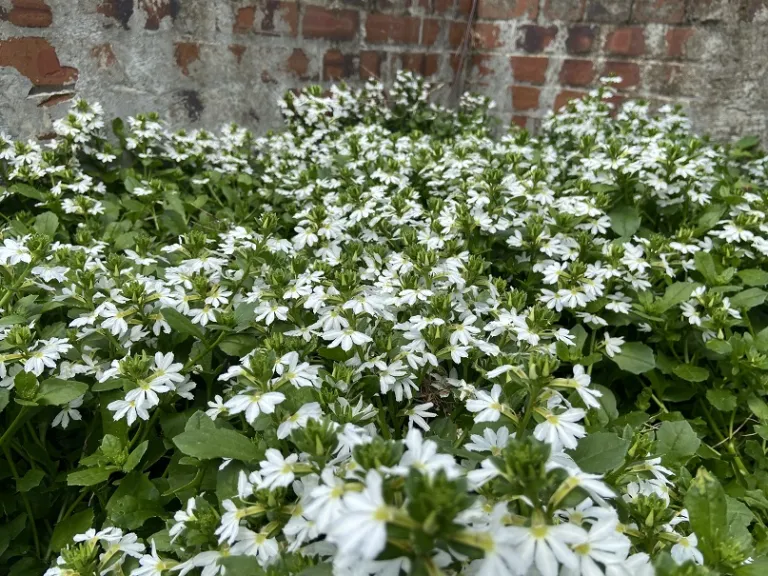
point(203, 63)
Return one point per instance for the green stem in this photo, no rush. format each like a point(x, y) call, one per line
point(18, 421)
point(190, 363)
point(24, 499)
point(16, 285)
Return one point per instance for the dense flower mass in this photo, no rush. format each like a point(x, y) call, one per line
point(384, 341)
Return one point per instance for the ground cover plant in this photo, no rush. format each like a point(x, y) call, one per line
point(384, 340)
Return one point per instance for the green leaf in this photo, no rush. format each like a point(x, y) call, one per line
point(5, 397)
point(55, 392)
point(707, 510)
point(244, 313)
point(89, 476)
point(722, 347)
point(68, 528)
point(691, 373)
point(748, 298)
point(723, 400)
point(134, 502)
point(30, 480)
point(600, 452)
point(757, 568)
point(181, 323)
point(111, 384)
point(705, 264)
point(47, 223)
point(675, 294)
point(758, 407)
point(676, 441)
point(135, 456)
point(625, 221)
point(709, 219)
point(635, 357)
point(28, 191)
point(10, 530)
point(217, 443)
point(238, 344)
point(753, 277)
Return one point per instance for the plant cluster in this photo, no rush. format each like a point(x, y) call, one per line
point(384, 341)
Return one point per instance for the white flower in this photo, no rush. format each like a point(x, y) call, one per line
point(181, 517)
point(685, 550)
point(546, 547)
point(12, 252)
point(361, 530)
point(230, 522)
point(346, 338)
point(418, 414)
point(128, 409)
point(325, 503)
point(277, 471)
point(561, 430)
point(603, 544)
point(70, 412)
point(490, 441)
point(422, 455)
point(487, 406)
point(613, 345)
point(151, 564)
point(257, 544)
point(254, 403)
point(299, 419)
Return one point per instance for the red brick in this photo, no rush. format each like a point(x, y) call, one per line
point(370, 64)
point(337, 65)
point(525, 98)
point(424, 64)
point(504, 9)
point(30, 14)
point(244, 19)
point(662, 11)
point(570, 10)
point(628, 41)
point(486, 36)
point(530, 69)
point(237, 50)
point(580, 39)
point(383, 28)
point(429, 31)
point(521, 121)
point(156, 10)
point(443, 6)
point(629, 72)
point(566, 96)
point(331, 24)
point(676, 41)
point(104, 55)
point(536, 38)
point(298, 63)
point(609, 11)
point(577, 72)
point(186, 53)
point(116, 9)
point(272, 18)
point(36, 59)
point(483, 35)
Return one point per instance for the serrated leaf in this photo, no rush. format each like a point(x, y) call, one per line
point(216, 443)
point(600, 452)
point(676, 441)
point(722, 347)
point(635, 357)
point(723, 400)
point(30, 480)
point(707, 510)
point(705, 264)
point(691, 373)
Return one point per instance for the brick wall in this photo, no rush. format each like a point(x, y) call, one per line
point(206, 62)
